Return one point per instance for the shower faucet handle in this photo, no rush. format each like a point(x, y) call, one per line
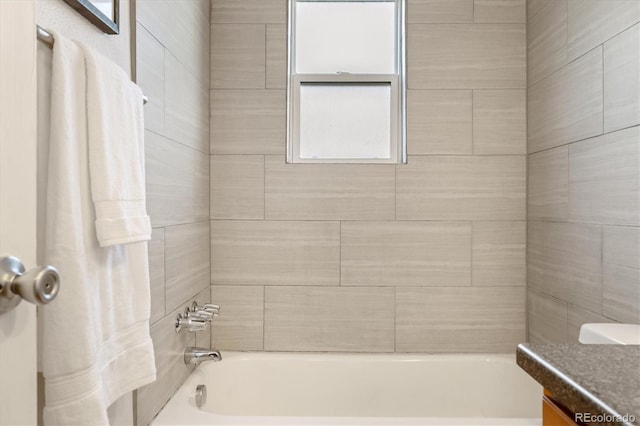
point(190, 323)
point(206, 311)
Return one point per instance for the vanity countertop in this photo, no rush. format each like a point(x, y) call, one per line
point(595, 379)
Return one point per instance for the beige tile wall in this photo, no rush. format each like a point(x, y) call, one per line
point(584, 165)
point(173, 71)
point(428, 256)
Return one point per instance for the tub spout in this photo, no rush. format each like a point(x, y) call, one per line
point(194, 355)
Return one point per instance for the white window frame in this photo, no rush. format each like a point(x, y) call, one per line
point(397, 82)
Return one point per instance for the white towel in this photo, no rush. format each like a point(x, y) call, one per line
point(116, 152)
point(96, 342)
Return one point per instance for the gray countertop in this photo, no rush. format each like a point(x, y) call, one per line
point(595, 379)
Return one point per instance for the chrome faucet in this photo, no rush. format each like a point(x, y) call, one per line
point(193, 355)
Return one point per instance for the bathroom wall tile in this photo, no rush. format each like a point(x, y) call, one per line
point(440, 11)
point(592, 22)
point(156, 274)
point(439, 122)
point(328, 191)
point(485, 56)
point(499, 254)
point(186, 106)
point(460, 319)
point(500, 11)
point(546, 38)
point(499, 122)
point(329, 319)
point(241, 322)
point(201, 186)
point(567, 106)
point(461, 188)
point(578, 316)
point(622, 80)
point(187, 261)
point(604, 179)
point(182, 26)
point(406, 253)
point(547, 318)
point(275, 253)
point(276, 56)
point(171, 371)
point(203, 338)
point(238, 56)
point(248, 122)
point(564, 261)
point(150, 78)
point(621, 281)
point(249, 11)
point(177, 182)
point(536, 6)
point(548, 184)
point(237, 187)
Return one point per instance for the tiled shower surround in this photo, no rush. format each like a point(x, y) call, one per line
point(172, 44)
point(584, 165)
point(423, 257)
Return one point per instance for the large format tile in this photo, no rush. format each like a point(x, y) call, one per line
point(499, 254)
point(567, 106)
point(187, 262)
point(150, 77)
point(462, 319)
point(622, 80)
point(592, 22)
point(461, 188)
point(248, 122)
point(177, 179)
point(604, 179)
point(440, 11)
point(186, 106)
point(238, 56)
point(466, 56)
point(406, 253)
point(439, 122)
point(249, 11)
point(329, 319)
point(328, 191)
point(548, 184)
point(564, 261)
point(621, 281)
point(156, 274)
point(547, 318)
point(499, 122)
point(536, 6)
point(276, 67)
point(500, 11)
point(237, 187)
point(182, 26)
point(275, 253)
point(546, 39)
point(240, 324)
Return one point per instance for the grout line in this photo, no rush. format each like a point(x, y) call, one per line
point(340, 253)
point(264, 312)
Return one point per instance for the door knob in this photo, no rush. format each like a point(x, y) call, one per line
point(39, 285)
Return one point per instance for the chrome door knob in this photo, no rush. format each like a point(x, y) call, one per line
point(39, 285)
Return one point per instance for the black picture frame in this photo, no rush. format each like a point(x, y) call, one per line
point(96, 17)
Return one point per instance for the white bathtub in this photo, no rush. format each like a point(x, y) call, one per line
point(341, 389)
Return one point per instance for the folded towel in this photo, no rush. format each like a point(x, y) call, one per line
point(96, 343)
point(116, 152)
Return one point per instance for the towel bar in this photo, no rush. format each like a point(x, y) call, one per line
point(47, 38)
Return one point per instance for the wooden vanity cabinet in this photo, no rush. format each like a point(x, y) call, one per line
point(553, 414)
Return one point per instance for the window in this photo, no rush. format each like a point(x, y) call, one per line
point(346, 85)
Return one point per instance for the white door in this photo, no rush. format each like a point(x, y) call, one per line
point(18, 388)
